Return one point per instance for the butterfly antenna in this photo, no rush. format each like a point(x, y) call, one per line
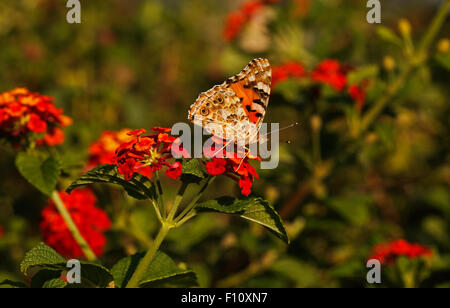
point(283, 128)
point(242, 161)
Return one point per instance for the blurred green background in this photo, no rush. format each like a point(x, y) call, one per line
point(142, 63)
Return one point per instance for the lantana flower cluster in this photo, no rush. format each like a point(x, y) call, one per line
point(388, 253)
point(330, 72)
point(147, 153)
point(27, 116)
point(90, 220)
point(103, 150)
point(233, 165)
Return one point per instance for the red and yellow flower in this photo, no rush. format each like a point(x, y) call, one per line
point(146, 154)
point(27, 116)
point(233, 165)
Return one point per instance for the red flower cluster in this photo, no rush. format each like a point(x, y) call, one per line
point(329, 72)
point(238, 19)
point(23, 114)
point(90, 220)
point(102, 151)
point(387, 253)
point(2, 231)
point(146, 154)
point(332, 73)
point(285, 71)
point(235, 167)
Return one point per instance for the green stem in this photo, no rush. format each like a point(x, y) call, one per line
point(159, 193)
point(90, 255)
point(147, 259)
point(193, 202)
point(418, 58)
point(434, 28)
point(379, 105)
point(177, 201)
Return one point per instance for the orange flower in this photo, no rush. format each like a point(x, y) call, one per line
point(25, 116)
point(102, 151)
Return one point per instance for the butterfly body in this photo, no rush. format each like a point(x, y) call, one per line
point(234, 110)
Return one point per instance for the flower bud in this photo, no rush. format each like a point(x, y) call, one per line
point(316, 122)
point(443, 45)
point(388, 63)
point(404, 27)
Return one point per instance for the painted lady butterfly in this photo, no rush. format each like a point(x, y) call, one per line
point(234, 110)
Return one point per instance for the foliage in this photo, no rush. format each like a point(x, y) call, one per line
point(368, 164)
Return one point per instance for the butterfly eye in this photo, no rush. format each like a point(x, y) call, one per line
point(204, 111)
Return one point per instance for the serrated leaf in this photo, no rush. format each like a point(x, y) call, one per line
point(41, 170)
point(95, 275)
point(41, 255)
point(193, 171)
point(139, 187)
point(54, 283)
point(51, 265)
point(41, 277)
point(12, 284)
point(162, 272)
point(255, 209)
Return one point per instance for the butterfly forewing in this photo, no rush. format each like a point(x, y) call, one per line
point(235, 109)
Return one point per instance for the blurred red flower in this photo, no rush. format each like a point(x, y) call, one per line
point(102, 151)
point(285, 71)
point(236, 20)
point(233, 166)
point(2, 231)
point(24, 116)
point(90, 220)
point(358, 94)
point(387, 253)
point(332, 73)
point(146, 154)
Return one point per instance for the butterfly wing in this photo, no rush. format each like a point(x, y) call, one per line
point(235, 109)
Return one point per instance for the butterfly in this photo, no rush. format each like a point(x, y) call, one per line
point(234, 110)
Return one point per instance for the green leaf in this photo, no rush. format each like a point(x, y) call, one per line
point(41, 170)
point(193, 171)
point(362, 73)
point(51, 265)
point(41, 255)
point(43, 276)
point(94, 275)
point(255, 209)
point(55, 283)
point(12, 284)
point(139, 187)
point(162, 272)
point(388, 35)
point(444, 60)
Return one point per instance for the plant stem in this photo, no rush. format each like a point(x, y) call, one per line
point(147, 259)
point(176, 203)
point(418, 58)
point(159, 192)
point(90, 255)
point(434, 28)
point(193, 202)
